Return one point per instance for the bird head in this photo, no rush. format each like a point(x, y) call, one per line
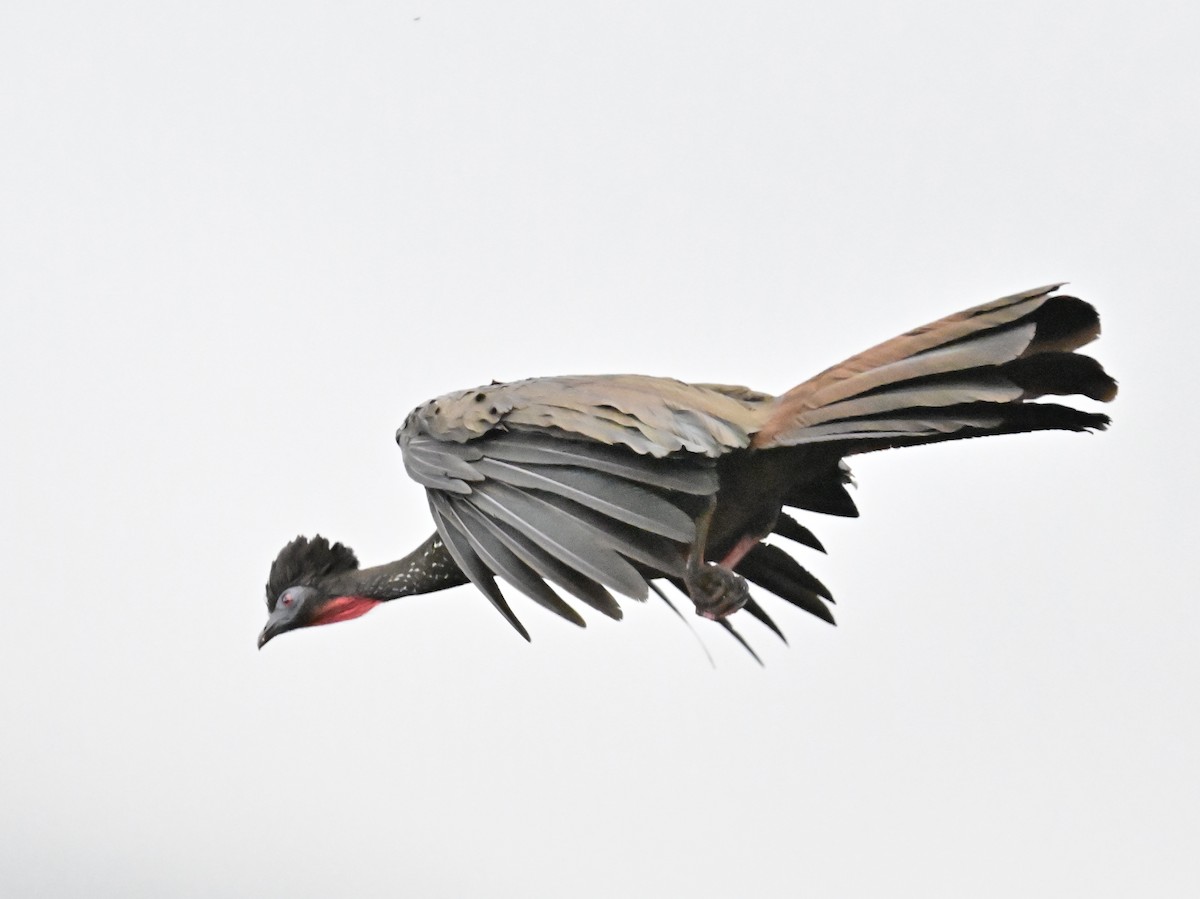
point(300, 590)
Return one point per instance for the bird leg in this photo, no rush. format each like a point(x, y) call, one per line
point(716, 591)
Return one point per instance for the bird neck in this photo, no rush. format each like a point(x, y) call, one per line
point(426, 569)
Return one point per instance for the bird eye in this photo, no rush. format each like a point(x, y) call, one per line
point(287, 599)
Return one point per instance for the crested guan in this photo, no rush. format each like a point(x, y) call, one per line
point(597, 485)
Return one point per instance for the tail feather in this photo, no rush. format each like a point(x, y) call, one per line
point(966, 375)
point(1060, 374)
point(1064, 323)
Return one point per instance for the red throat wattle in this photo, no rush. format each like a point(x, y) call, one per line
point(343, 608)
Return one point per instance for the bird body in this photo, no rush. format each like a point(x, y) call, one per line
point(595, 485)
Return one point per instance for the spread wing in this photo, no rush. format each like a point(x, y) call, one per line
point(592, 484)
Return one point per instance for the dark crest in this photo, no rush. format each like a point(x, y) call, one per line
point(304, 562)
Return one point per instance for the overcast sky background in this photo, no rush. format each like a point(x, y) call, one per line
point(238, 242)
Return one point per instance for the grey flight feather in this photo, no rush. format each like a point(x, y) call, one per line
point(560, 535)
point(696, 477)
point(471, 565)
point(501, 559)
point(529, 507)
point(621, 501)
point(550, 568)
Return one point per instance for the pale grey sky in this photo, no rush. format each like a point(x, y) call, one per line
point(238, 242)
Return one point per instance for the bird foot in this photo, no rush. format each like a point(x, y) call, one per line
point(716, 591)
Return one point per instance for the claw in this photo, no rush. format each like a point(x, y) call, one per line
point(717, 591)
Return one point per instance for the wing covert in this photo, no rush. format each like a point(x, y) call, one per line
point(652, 416)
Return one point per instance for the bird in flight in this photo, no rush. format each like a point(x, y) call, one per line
point(596, 485)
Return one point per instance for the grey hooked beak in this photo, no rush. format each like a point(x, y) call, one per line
point(271, 630)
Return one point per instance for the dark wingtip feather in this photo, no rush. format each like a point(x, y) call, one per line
point(746, 646)
point(757, 611)
point(678, 614)
point(827, 496)
point(791, 529)
point(501, 604)
point(774, 570)
point(469, 562)
point(487, 540)
point(492, 592)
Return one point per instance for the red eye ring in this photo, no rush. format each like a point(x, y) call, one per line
point(287, 599)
